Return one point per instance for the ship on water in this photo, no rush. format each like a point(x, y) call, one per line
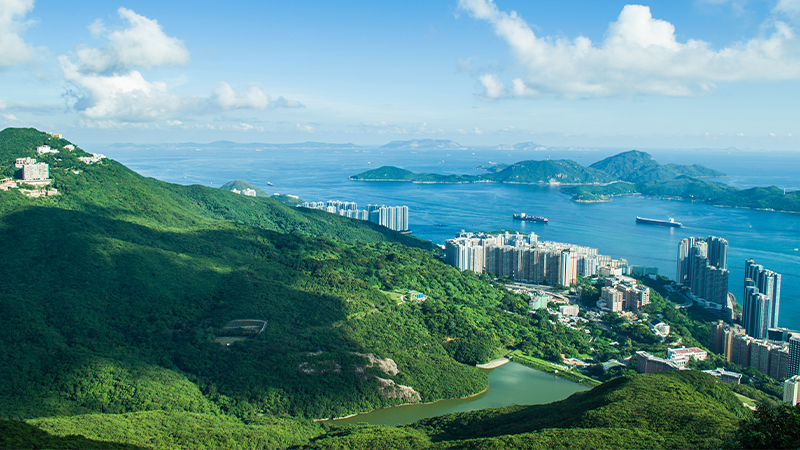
point(527, 218)
point(664, 223)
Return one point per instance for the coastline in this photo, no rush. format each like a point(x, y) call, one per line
point(494, 363)
point(402, 404)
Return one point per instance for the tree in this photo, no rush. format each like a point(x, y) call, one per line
point(775, 427)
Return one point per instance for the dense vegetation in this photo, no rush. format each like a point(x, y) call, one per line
point(118, 288)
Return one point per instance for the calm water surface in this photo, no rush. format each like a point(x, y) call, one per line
point(509, 384)
point(771, 238)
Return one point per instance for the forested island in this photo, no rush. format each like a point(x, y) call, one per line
point(629, 173)
point(129, 309)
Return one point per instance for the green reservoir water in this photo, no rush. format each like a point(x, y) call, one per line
point(509, 384)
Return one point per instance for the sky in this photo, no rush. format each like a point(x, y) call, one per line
point(663, 74)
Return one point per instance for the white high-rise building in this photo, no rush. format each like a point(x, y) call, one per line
point(791, 390)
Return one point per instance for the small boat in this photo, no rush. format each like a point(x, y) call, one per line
point(270, 184)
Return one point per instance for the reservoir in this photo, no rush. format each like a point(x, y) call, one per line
point(509, 384)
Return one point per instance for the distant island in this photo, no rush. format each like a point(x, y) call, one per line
point(628, 173)
point(524, 172)
point(424, 144)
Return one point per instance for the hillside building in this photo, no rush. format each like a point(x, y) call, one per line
point(703, 267)
point(791, 390)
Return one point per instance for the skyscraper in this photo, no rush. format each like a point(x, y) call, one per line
point(702, 265)
point(761, 299)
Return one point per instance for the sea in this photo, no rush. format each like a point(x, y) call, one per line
point(438, 211)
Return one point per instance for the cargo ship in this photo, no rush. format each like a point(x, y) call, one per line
point(664, 223)
point(527, 218)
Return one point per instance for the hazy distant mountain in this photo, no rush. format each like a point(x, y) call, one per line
point(529, 146)
point(251, 145)
point(424, 144)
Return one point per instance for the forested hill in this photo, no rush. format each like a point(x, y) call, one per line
point(118, 291)
point(638, 167)
point(111, 190)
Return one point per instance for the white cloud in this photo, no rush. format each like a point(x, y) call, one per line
point(225, 97)
point(143, 44)
point(10, 117)
point(305, 128)
point(493, 88)
point(13, 49)
point(110, 87)
point(639, 55)
point(128, 96)
point(477, 130)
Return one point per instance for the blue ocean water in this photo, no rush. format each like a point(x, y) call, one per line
point(771, 238)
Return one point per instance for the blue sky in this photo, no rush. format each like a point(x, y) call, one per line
point(684, 74)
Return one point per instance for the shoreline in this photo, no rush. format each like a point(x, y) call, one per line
point(494, 363)
point(402, 404)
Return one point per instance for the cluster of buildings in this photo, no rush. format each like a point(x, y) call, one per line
point(392, 217)
point(623, 294)
point(677, 358)
point(776, 355)
point(703, 267)
point(524, 258)
point(246, 191)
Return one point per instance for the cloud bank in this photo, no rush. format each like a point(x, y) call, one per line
point(639, 55)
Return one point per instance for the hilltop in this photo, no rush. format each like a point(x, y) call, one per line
point(637, 167)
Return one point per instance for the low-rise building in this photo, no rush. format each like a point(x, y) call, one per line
point(647, 363)
point(42, 149)
point(726, 376)
point(682, 355)
point(569, 310)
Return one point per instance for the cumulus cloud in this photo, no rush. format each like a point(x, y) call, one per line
point(123, 96)
point(226, 98)
point(639, 55)
point(143, 44)
point(109, 85)
point(13, 49)
point(493, 88)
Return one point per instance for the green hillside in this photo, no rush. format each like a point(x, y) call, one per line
point(549, 171)
point(121, 295)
